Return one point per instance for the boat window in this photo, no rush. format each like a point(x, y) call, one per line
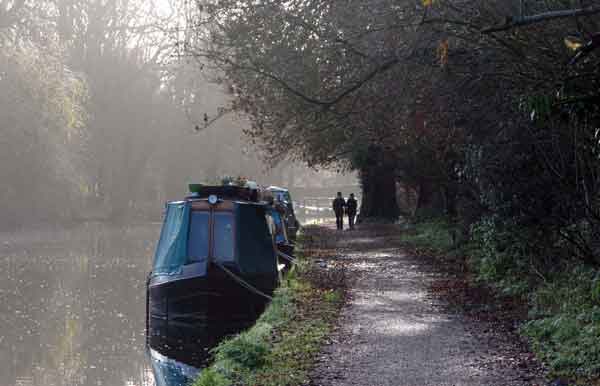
point(199, 234)
point(170, 251)
point(223, 236)
point(287, 197)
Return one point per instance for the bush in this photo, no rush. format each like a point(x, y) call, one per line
point(246, 351)
point(435, 234)
point(210, 377)
point(566, 331)
point(501, 256)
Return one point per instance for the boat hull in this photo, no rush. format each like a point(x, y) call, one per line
point(197, 311)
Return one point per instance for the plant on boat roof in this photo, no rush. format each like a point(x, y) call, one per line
point(234, 181)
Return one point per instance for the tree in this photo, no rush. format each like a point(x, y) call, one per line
point(314, 79)
point(485, 107)
point(42, 117)
point(538, 166)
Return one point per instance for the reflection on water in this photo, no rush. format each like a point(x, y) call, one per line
point(72, 306)
point(315, 210)
point(318, 221)
point(315, 216)
point(169, 372)
point(190, 343)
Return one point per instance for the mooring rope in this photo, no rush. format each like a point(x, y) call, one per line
point(242, 282)
point(287, 257)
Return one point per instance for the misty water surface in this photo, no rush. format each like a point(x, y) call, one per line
point(72, 309)
point(73, 306)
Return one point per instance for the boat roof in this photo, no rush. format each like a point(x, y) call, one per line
point(234, 200)
point(240, 194)
point(204, 191)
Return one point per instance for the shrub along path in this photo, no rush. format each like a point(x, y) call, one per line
point(397, 328)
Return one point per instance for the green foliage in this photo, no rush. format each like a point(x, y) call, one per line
point(235, 181)
point(249, 351)
point(281, 308)
point(42, 119)
point(246, 351)
point(333, 296)
point(596, 287)
point(566, 329)
point(498, 256)
point(210, 377)
point(434, 233)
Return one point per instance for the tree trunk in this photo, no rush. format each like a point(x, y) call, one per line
point(430, 202)
point(378, 182)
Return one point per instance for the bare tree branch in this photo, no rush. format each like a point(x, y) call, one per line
point(540, 18)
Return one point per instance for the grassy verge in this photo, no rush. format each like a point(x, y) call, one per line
point(433, 235)
point(281, 347)
point(562, 301)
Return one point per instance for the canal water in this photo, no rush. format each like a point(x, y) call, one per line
point(73, 307)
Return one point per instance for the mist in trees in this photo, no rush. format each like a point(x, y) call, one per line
point(487, 110)
point(103, 116)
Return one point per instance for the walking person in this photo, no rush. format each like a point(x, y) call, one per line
point(351, 206)
point(338, 208)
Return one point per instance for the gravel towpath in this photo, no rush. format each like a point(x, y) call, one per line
point(393, 331)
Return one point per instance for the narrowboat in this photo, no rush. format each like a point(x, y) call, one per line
point(215, 266)
point(282, 197)
point(285, 247)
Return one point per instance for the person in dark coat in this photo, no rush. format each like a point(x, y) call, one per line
point(338, 207)
point(351, 206)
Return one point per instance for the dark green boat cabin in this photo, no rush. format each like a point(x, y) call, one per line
point(215, 265)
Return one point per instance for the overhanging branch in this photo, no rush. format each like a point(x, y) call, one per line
point(542, 17)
